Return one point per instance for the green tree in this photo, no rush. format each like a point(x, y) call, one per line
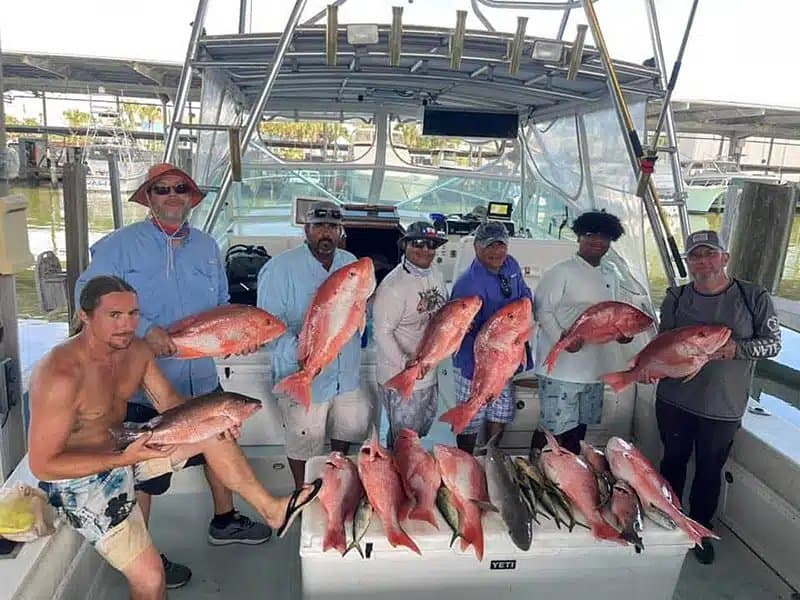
point(77, 119)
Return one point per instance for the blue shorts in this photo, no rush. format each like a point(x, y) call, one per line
point(564, 404)
point(501, 410)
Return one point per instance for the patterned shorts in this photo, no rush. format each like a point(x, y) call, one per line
point(564, 405)
point(500, 411)
point(417, 413)
point(102, 508)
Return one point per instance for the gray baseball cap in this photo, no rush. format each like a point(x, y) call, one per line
point(703, 238)
point(324, 211)
point(488, 233)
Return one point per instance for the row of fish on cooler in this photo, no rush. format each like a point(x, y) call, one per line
point(607, 492)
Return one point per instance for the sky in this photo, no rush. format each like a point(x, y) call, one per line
point(739, 50)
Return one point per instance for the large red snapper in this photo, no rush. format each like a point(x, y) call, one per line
point(442, 338)
point(340, 494)
point(337, 311)
point(464, 477)
point(499, 352)
point(630, 465)
point(419, 475)
point(577, 480)
point(599, 324)
point(224, 330)
point(381, 481)
point(195, 420)
point(676, 353)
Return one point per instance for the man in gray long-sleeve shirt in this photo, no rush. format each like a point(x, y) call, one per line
point(704, 413)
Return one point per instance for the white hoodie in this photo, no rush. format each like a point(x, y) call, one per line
point(404, 302)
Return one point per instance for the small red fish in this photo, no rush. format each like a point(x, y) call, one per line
point(443, 336)
point(499, 352)
point(381, 481)
point(599, 324)
point(340, 494)
point(224, 330)
point(419, 475)
point(630, 465)
point(464, 477)
point(676, 353)
point(336, 313)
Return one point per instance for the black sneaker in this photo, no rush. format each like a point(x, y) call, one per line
point(241, 530)
point(705, 553)
point(177, 575)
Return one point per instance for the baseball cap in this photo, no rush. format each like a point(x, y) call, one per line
point(324, 211)
point(703, 238)
point(488, 233)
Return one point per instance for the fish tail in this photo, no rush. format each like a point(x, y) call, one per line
point(398, 537)
point(420, 513)
point(695, 530)
point(603, 531)
point(619, 380)
point(552, 356)
point(298, 386)
point(404, 381)
point(630, 535)
point(460, 416)
point(472, 529)
point(335, 538)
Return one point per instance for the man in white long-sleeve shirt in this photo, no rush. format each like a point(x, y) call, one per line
point(404, 302)
point(571, 396)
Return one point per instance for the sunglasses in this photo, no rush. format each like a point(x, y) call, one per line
point(505, 286)
point(429, 244)
point(324, 213)
point(163, 190)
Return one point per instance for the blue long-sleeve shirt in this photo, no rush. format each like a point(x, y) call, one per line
point(286, 287)
point(477, 280)
point(194, 281)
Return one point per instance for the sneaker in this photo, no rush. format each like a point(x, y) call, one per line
point(241, 530)
point(176, 575)
point(705, 553)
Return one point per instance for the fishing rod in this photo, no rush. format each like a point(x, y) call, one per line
point(643, 164)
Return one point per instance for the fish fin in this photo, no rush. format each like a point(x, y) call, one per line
point(460, 416)
point(619, 380)
point(630, 535)
point(363, 325)
point(298, 386)
point(603, 531)
point(485, 506)
point(404, 381)
point(420, 513)
point(127, 434)
point(690, 376)
point(552, 356)
point(398, 537)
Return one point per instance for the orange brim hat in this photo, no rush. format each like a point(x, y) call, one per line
point(160, 170)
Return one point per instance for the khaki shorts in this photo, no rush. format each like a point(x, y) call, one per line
point(346, 417)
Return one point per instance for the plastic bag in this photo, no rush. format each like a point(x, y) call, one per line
point(25, 514)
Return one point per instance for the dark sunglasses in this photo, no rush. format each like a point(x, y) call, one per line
point(505, 286)
point(324, 213)
point(429, 244)
point(163, 190)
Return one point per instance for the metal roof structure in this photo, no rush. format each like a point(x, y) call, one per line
point(424, 70)
point(27, 71)
point(734, 120)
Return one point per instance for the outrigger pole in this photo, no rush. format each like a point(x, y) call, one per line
point(642, 166)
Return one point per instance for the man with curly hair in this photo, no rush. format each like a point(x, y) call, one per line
point(571, 396)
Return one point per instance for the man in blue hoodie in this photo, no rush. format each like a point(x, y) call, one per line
point(176, 271)
point(496, 277)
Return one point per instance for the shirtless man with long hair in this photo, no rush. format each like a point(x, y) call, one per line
point(79, 391)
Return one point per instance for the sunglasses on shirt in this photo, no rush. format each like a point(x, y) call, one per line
point(429, 244)
point(505, 286)
point(163, 190)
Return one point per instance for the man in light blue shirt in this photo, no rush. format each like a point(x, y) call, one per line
point(176, 271)
point(286, 287)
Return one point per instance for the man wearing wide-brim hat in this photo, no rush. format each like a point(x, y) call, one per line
point(176, 271)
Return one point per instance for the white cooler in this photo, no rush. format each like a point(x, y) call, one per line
point(559, 564)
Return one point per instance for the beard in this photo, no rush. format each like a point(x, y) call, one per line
point(325, 246)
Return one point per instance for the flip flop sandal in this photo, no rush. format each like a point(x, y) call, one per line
point(293, 508)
